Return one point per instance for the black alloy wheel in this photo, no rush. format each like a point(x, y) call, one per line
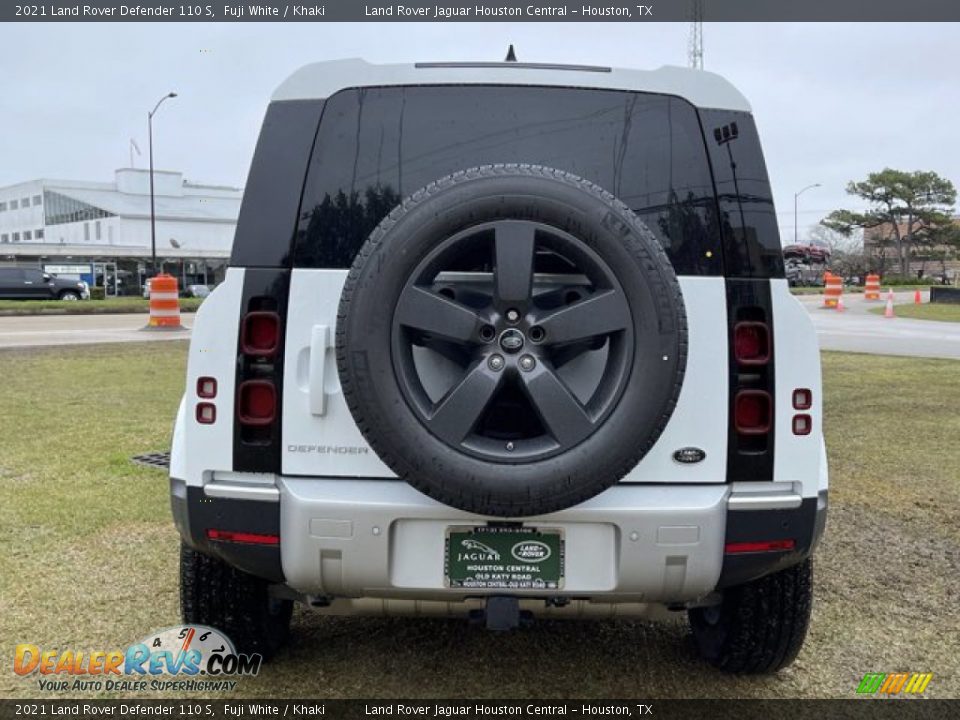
point(510, 337)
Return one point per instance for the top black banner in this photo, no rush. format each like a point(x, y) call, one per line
point(485, 10)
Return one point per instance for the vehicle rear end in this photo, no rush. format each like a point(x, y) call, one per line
point(288, 463)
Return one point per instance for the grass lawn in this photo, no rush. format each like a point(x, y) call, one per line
point(89, 555)
point(857, 289)
point(944, 312)
point(131, 304)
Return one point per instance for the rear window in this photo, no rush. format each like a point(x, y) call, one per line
point(377, 145)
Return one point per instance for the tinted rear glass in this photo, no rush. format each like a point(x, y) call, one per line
point(377, 145)
point(748, 218)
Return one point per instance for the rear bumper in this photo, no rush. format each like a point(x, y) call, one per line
point(353, 538)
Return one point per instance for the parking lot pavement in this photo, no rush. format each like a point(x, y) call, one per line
point(44, 330)
point(858, 330)
point(855, 330)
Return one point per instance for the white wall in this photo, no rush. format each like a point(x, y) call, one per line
point(191, 235)
point(135, 232)
point(30, 218)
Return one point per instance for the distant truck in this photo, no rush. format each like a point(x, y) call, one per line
point(17, 283)
point(804, 264)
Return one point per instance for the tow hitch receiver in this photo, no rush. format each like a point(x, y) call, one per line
point(502, 613)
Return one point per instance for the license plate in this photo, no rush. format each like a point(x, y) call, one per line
point(504, 558)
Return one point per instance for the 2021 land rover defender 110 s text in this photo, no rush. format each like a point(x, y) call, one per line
point(504, 340)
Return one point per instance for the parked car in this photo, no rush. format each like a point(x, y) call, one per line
point(18, 283)
point(520, 369)
point(196, 291)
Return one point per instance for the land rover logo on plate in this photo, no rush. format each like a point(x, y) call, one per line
point(531, 551)
point(689, 455)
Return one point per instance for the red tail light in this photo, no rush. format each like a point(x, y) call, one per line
point(257, 402)
point(802, 424)
point(260, 334)
point(206, 413)
point(802, 399)
point(752, 412)
point(243, 537)
point(206, 387)
point(761, 546)
point(751, 343)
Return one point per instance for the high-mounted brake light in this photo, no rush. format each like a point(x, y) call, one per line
point(761, 546)
point(752, 414)
point(243, 537)
point(257, 404)
point(260, 334)
point(751, 343)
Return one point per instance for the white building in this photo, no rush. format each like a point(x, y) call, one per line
point(102, 230)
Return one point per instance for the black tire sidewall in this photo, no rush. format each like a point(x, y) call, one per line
point(366, 319)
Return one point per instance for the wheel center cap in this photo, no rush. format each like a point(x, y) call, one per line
point(512, 340)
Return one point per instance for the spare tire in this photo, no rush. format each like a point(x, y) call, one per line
point(511, 340)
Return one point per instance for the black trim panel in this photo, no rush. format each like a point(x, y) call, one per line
point(271, 199)
point(799, 524)
point(194, 513)
point(257, 449)
point(750, 457)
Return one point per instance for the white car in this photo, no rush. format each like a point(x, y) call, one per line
point(506, 340)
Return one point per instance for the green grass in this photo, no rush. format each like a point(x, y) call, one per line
point(89, 552)
point(858, 289)
point(943, 312)
point(130, 304)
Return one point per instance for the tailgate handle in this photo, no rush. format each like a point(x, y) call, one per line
point(319, 339)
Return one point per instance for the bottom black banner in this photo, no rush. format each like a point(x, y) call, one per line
point(367, 709)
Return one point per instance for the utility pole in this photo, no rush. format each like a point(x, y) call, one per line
point(695, 45)
point(795, 196)
point(153, 219)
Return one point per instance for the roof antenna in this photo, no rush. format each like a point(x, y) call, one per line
point(511, 55)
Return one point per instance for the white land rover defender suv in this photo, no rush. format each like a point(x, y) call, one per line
point(504, 340)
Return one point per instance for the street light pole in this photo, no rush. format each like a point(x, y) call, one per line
point(153, 219)
point(795, 196)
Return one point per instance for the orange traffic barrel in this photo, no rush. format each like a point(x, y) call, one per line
point(164, 302)
point(833, 289)
point(872, 289)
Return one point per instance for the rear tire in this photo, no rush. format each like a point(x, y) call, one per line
point(760, 626)
point(500, 437)
point(234, 602)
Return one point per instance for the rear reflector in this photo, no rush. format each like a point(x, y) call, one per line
point(206, 413)
point(243, 537)
point(762, 546)
point(260, 334)
point(752, 412)
point(802, 424)
point(257, 403)
point(206, 387)
point(802, 399)
point(751, 343)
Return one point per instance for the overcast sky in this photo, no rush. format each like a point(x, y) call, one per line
point(832, 101)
